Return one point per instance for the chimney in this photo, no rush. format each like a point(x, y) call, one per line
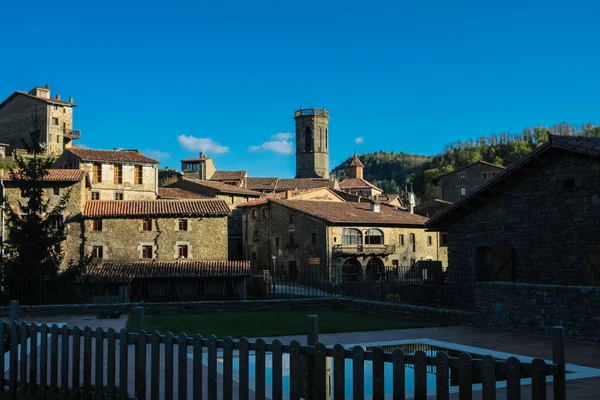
point(57, 96)
point(71, 99)
point(179, 176)
point(376, 206)
point(288, 194)
point(47, 87)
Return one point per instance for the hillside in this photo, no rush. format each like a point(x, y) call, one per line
point(391, 171)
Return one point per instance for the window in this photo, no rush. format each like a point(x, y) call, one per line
point(307, 139)
point(118, 174)
point(58, 222)
point(183, 224)
point(232, 199)
point(64, 127)
point(493, 174)
point(463, 176)
point(147, 224)
point(98, 251)
point(429, 241)
point(292, 240)
point(276, 242)
point(97, 225)
point(118, 196)
point(55, 107)
point(401, 240)
point(463, 191)
point(292, 218)
point(97, 178)
point(23, 192)
point(182, 251)
point(147, 252)
point(484, 175)
point(313, 237)
point(95, 195)
point(374, 236)
point(138, 175)
point(265, 213)
point(443, 239)
point(412, 262)
point(253, 256)
point(394, 263)
point(54, 121)
point(56, 191)
point(57, 139)
point(351, 236)
point(256, 236)
point(494, 263)
point(413, 242)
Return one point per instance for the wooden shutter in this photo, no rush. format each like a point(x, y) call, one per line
point(502, 263)
point(590, 264)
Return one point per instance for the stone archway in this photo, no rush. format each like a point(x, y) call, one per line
point(352, 270)
point(375, 269)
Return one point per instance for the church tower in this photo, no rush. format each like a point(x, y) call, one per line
point(312, 149)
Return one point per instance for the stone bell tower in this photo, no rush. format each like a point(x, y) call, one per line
point(312, 145)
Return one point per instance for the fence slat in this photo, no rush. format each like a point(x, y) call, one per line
point(99, 365)
point(420, 375)
point(538, 379)
point(123, 363)
point(442, 365)
point(111, 363)
point(320, 371)
point(182, 367)
point(155, 366)
point(259, 356)
point(558, 358)
point(228, 368)
point(87, 362)
point(378, 373)
point(43, 360)
point(64, 360)
point(54, 361)
point(244, 368)
point(212, 367)
point(197, 367)
point(358, 373)
point(169, 366)
point(399, 375)
point(465, 374)
point(23, 360)
point(339, 372)
point(76, 354)
point(2, 355)
point(277, 365)
point(33, 358)
point(14, 353)
point(295, 370)
point(513, 378)
point(488, 377)
point(140, 366)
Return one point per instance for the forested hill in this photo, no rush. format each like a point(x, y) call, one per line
point(392, 171)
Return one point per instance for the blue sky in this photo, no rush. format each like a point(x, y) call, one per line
point(172, 78)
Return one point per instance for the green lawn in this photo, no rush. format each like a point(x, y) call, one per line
point(274, 323)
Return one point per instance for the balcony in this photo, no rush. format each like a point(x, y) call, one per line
point(72, 134)
point(364, 249)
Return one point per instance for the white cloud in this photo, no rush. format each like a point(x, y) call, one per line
point(359, 140)
point(206, 145)
point(280, 143)
point(156, 154)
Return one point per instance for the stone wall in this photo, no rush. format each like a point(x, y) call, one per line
point(535, 309)
point(449, 185)
point(15, 120)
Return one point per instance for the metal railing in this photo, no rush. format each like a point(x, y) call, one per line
point(364, 248)
point(73, 134)
point(312, 111)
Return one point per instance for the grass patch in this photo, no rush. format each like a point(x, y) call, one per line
point(275, 323)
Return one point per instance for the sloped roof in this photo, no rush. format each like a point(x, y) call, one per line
point(126, 272)
point(56, 175)
point(480, 162)
point(357, 183)
point(292, 193)
point(353, 213)
point(176, 193)
point(579, 144)
point(228, 175)
point(261, 183)
point(48, 101)
point(220, 187)
point(355, 162)
point(115, 156)
point(303, 183)
point(158, 208)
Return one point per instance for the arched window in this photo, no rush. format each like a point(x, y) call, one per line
point(325, 137)
point(374, 236)
point(351, 270)
point(375, 269)
point(351, 236)
point(307, 139)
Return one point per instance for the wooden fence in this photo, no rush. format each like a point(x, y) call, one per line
point(52, 362)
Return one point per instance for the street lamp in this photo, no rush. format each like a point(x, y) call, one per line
point(273, 258)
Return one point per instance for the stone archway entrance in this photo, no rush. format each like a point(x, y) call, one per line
point(351, 270)
point(375, 269)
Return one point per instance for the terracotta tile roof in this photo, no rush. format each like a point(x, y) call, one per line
point(57, 175)
point(471, 165)
point(158, 208)
point(303, 183)
point(354, 198)
point(115, 156)
point(355, 162)
point(176, 193)
point(357, 183)
point(578, 144)
point(353, 213)
point(228, 175)
point(127, 272)
point(282, 195)
point(49, 101)
point(261, 183)
point(220, 187)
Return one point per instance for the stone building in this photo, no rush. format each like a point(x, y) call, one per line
point(277, 185)
point(115, 174)
point(54, 116)
point(312, 143)
point(334, 239)
point(167, 230)
point(201, 167)
point(235, 178)
point(432, 207)
point(355, 183)
point(457, 184)
point(56, 185)
point(536, 222)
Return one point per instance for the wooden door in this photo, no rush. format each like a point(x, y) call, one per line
point(590, 265)
point(502, 263)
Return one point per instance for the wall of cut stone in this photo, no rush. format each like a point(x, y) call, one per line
point(449, 185)
point(15, 120)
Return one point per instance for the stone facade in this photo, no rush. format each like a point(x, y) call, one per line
point(122, 239)
point(312, 143)
point(459, 183)
point(548, 216)
point(536, 309)
point(198, 168)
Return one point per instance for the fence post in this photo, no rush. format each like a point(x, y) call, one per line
point(311, 340)
point(14, 310)
point(139, 317)
point(558, 358)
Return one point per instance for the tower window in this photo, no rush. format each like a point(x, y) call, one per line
point(307, 139)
